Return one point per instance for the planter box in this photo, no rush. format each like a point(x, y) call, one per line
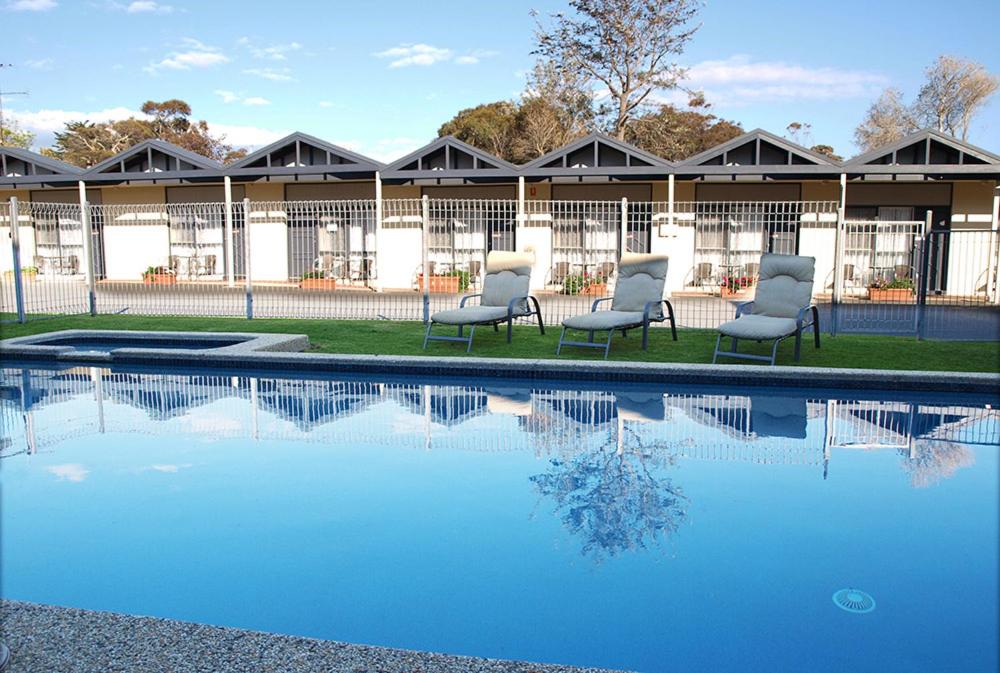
point(25, 275)
point(318, 283)
point(445, 284)
point(596, 289)
point(739, 292)
point(159, 279)
point(891, 295)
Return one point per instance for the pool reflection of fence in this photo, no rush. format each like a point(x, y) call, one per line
point(757, 428)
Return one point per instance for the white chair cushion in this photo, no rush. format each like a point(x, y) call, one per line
point(785, 285)
point(469, 315)
point(758, 327)
point(640, 280)
point(602, 320)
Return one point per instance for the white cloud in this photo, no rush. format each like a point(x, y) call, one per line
point(414, 54)
point(233, 97)
point(475, 56)
point(328, 104)
point(69, 472)
point(247, 136)
point(49, 121)
point(387, 149)
point(738, 80)
point(198, 55)
point(147, 7)
point(40, 64)
point(274, 52)
point(170, 468)
point(273, 74)
point(31, 5)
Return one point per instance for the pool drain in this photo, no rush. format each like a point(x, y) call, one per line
point(854, 600)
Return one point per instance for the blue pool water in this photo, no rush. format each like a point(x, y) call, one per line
point(648, 529)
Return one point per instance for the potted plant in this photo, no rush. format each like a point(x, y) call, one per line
point(895, 290)
point(585, 283)
point(451, 282)
point(159, 275)
point(27, 273)
point(315, 280)
point(735, 285)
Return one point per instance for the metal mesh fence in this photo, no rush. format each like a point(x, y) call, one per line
point(403, 259)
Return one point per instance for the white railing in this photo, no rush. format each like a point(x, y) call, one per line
point(368, 259)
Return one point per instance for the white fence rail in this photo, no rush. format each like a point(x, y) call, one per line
point(405, 258)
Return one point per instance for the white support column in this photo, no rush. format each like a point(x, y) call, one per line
point(670, 200)
point(624, 228)
point(995, 255)
point(230, 252)
point(521, 218)
point(378, 231)
point(15, 247)
point(838, 242)
point(86, 225)
point(425, 220)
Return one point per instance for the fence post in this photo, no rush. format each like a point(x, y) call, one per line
point(246, 256)
point(88, 256)
point(379, 213)
point(230, 252)
point(838, 269)
point(15, 247)
point(425, 218)
point(924, 276)
point(624, 227)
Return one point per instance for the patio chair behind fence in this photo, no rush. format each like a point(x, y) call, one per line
point(402, 259)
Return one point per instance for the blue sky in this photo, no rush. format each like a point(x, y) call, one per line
point(381, 78)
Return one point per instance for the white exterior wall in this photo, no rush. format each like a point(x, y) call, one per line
point(538, 239)
point(400, 254)
point(268, 245)
point(26, 236)
point(677, 242)
point(129, 249)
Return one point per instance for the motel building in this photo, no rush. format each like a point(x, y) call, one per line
point(302, 209)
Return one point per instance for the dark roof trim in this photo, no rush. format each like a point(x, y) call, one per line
point(56, 166)
point(919, 136)
point(759, 135)
point(494, 165)
point(201, 163)
point(366, 163)
point(538, 166)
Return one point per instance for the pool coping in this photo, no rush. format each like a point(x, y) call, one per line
point(277, 352)
point(53, 638)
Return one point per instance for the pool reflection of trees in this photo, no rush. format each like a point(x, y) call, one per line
point(614, 501)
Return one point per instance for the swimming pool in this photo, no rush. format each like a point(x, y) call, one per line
point(636, 527)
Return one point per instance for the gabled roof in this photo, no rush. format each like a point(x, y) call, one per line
point(17, 165)
point(449, 157)
point(594, 154)
point(300, 152)
point(925, 148)
point(154, 158)
point(758, 148)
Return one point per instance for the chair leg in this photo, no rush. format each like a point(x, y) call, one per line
point(645, 335)
point(427, 334)
point(732, 348)
point(561, 337)
point(798, 344)
point(496, 327)
point(718, 342)
point(774, 352)
point(815, 313)
point(510, 329)
point(673, 323)
point(472, 330)
point(538, 313)
point(607, 346)
point(590, 336)
point(461, 329)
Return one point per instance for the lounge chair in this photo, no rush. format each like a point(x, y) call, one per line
point(504, 297)
point(779, 309)
point(638, 301)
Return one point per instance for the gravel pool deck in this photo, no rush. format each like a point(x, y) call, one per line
point(45, 638)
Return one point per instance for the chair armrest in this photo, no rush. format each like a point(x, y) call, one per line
point(514, 301)
point(593, 307)
point(649, 307)
point(468, 297)
point(744, 307)
point(800, 319)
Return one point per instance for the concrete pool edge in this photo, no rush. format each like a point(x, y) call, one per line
point(276, 352)
point(51, 638)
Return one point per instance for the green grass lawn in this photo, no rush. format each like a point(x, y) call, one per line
point(405, 338)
